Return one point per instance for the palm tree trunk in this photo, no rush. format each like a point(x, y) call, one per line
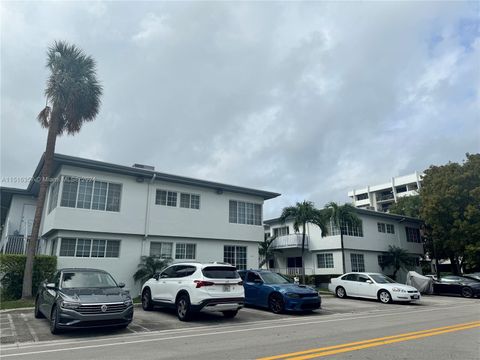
point(303, 250)
point(343, 251)
point(44, 182)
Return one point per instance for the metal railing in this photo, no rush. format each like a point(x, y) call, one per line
point(289, 241)
point(14, 244)
point(292, 271)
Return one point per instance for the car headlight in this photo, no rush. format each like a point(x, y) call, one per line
point(128, 302)
point(293, 295)
point(399, 290)
point(69, 305)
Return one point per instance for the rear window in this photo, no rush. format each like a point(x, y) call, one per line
point(220, 272)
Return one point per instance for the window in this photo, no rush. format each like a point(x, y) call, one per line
point(168, 198)
point(69, 192)
point(185, 251)
point(401, 189)
point(390, 229)
point(184, 270)
point(53, 250)
point(163, 250)
point(90, 248)
point(245, 213)
point(98, 248)
point(413, 234)
point(325, 261)
point(347, 229)
point(381, 227)
point(362, 196)
point(381, 260)
point(235, 255)
point(358, 263)
point(280, 231)
point(83, 248)
point(90, 194)
point(53, 200)
point(189, 201)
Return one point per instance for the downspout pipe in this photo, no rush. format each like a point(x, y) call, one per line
point(147, 214)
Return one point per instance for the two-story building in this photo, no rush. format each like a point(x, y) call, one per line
point(364, 245)
point(107, 216)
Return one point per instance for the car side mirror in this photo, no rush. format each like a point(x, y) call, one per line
point(50, 286)
point(369, 282)
point(121, 285)
point(156, 276)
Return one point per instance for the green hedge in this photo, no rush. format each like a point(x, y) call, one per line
point(12, 268)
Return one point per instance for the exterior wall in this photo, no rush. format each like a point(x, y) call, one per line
point(210, 221)
point(132, 247)
point(20, 215)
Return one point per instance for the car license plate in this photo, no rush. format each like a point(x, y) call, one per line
point(226, 288)
point(414, 296)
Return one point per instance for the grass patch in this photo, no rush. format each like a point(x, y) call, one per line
point(137, 300)
point(15, 304)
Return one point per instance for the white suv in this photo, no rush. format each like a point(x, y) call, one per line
point(191, 287)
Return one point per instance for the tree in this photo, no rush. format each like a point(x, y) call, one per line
point(340, 215)
point(72, 98)
point(407, 206)
point(149, 266)
point(397, 258)
point(265, 251)
point(303, 213)
point(450, 197)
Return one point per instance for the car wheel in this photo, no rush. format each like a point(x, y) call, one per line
point(37, 313)
point(384, 297)
point(147, 300)
point(54, 321)
point(340, 292)
point(230, 314)
point(467, 292)
point(275, 303)
point(183, 308)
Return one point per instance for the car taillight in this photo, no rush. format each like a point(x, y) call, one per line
point(240, 283)
point(201, 283)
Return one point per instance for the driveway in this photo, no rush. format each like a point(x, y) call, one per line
point(20, 326)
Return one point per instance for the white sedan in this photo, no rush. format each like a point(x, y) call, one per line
point(372, 286)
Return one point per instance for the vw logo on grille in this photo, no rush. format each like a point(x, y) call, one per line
point(104, 308)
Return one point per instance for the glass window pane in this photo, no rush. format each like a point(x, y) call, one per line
point(172, 198)
point(250, 217)
point(113, 248)
point(232, 217)
point(53, 200)
point(83, 248)
point(185, 200)
point(241, 213)
point(69, 192)
point(195, 202)
point(85, 188)
point(67, 247)
point(99, 198)
point(258, 214)
point(98, 248)
point(113, 197)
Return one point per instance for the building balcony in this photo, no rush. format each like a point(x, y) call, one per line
point(291, 241)
point(385, 197)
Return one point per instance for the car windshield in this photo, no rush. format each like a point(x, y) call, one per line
point(274, 278)
point(87, 279)
point(382, 279)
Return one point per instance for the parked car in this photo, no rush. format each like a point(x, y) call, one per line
point(278, 293)
point(453, 284)
point(372, 286)
point(80, 298)
point(192, 287)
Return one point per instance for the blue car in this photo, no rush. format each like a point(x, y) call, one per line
point(273, 291)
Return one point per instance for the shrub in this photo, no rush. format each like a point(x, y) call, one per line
point(12, 268)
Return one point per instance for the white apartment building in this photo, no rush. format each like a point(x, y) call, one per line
point(364, 246)
point(107, 216)
point(380, 197)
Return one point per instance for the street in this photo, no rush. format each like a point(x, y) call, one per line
point(437, 328)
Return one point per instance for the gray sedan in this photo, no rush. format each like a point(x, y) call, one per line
point(81, 298)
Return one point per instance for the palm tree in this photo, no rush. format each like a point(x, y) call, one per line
point(149, 266)
point(72, 98)
point(303, 213)
point(397, 258)
point(265, 252)
point(341, 215)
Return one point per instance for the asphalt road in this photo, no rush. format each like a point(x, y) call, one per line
point(437, 328)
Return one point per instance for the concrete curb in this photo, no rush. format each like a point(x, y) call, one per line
point(9, 310)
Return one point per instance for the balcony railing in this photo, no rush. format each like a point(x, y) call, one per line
point(292, 271)
point(14, 244)
point(290, 241)
point(385, 197)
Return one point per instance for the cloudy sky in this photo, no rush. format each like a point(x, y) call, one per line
point(306, 99)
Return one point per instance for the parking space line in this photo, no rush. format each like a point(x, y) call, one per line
point(30, 328)
point(142, 327)
point(12, 328)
